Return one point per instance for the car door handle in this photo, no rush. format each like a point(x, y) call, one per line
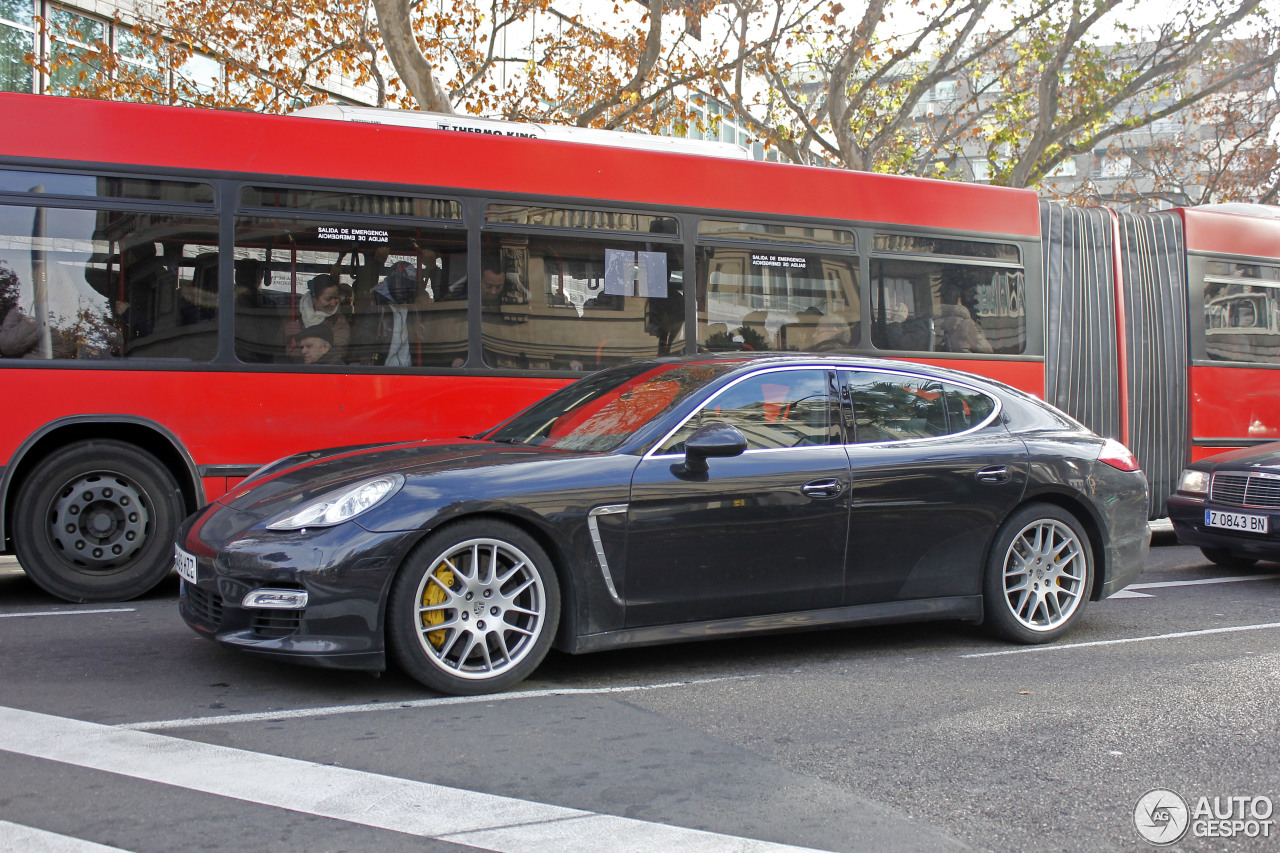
point(995, 474)
point(823, 488)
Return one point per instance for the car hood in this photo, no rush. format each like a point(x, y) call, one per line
point(1264, 456)
point(290, 482)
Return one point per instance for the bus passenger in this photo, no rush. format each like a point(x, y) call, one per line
point(493, 281)
point(904, 332)
point(389, 333)
point(320, 306)
point(956, 328)
point(831, 334)
point(315, 343)
point(257, 324)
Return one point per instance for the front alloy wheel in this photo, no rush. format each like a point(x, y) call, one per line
point(478, 613)
point(1039, 575)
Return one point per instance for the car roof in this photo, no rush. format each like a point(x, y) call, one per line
point(754, 360)
point(746, 362)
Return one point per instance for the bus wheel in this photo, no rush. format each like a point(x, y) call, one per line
point(474, 609)
point(95, 521)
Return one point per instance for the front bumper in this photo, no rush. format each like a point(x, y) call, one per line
point(344, 570)
point(1187, 515)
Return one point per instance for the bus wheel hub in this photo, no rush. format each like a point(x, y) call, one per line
point(99, 521)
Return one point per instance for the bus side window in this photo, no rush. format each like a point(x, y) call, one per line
point(106, 284)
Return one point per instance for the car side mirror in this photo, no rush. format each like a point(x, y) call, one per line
point(711, 440)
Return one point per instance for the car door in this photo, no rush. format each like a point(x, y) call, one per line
point(933, 473)
point(763, 532)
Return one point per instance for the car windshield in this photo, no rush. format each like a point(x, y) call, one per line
point(600, 412)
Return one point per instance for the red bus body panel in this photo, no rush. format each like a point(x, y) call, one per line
point(249, 419)
point(351, 151)
point(1231, 234)
point(1230, 403)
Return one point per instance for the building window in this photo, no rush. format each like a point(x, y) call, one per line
point(17, 39)
point(1115, 166)
point(70, 34)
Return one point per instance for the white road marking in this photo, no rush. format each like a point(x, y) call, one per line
point(368, 799)
point(1202, 581)
point(1131, 591)
point(15, 836)
point(67, 612)
point(1179, 635)
point(299, 713)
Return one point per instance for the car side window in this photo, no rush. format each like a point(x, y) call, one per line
point(781, 408)
point(966, 409)
point(899, 407)
point(894, 407)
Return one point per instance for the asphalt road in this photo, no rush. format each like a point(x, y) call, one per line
point(119, 727)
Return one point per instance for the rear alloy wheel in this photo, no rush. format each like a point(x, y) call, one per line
point(1038, 576)
point(475, 609)
point(95, 521)
point(1223, 557)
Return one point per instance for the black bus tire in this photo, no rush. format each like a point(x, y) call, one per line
point(95, 521)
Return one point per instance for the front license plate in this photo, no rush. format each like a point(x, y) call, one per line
point(186, 564)
point(1236, 521)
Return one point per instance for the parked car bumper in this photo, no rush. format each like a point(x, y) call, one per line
point(1187, 515)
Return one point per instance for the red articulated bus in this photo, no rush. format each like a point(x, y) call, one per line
point(187, 295)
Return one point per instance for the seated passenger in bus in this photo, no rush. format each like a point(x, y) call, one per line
point(315, 345)
point(956, 329)
point(832, 333)
point(390, 331)
point(258, 336)
point(146, 278)
point(904, 332)
point(321, 305)
point(493, 281)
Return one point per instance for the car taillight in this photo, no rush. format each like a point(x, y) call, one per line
point(1118, 456)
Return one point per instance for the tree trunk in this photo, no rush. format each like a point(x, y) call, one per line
point(396, 26)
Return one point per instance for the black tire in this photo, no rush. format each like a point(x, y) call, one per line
point(1224, 558)
point(95, 521)
point(448, 594)
point(1033, 542)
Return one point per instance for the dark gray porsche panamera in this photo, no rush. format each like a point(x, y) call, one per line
point(670, 500)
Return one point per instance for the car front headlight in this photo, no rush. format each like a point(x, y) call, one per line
point(1194, 482)
point(341, 505)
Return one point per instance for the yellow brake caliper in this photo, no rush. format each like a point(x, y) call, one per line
point(434, 596)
